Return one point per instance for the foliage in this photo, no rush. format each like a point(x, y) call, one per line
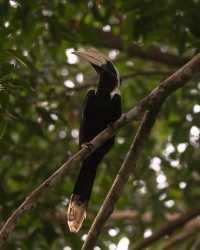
point(41, 91)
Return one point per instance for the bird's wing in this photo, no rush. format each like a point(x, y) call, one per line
point(116, 107)
point(86, 105)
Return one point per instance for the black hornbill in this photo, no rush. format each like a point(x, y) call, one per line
point(100, 109)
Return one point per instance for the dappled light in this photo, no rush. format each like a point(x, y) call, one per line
point(42, 91)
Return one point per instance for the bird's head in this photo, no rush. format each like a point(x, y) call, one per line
point(109, 75)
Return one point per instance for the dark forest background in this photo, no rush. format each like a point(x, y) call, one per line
point(42, 87)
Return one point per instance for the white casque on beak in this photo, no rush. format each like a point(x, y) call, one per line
point(92, 56)
point(99, 59)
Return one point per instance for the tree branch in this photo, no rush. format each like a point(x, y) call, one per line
point(122, 177)
point(144, 73)
point(189, 230)
point(153, 53)
point(111, 41)
point(177, 80)
point(166, 229)
point(196, 245)
point(127, 215)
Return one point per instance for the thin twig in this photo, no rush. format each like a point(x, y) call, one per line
point(111, 41)
point(191, 228)
point(137, 73)
point(196, 245)
point(166, 229)
point(152, 53)
point(180, 238)
point(126, 215)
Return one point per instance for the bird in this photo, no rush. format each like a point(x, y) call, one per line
point(101, 107)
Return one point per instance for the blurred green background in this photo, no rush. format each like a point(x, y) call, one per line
point(42, 87)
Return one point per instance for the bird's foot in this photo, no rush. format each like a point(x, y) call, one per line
point(124, 117)
point(76, 213)
point(88, 146)
point(111, 126)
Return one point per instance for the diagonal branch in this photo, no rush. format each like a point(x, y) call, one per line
point(129, 163)
point(112, 41)
point(191, 228)
point(196, 245)
point(175, 81)
point(153, 53)
point(167, 229)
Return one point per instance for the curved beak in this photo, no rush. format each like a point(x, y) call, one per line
point(93, 56)
point(99, 61)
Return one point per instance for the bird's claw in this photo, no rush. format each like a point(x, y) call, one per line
point(88, 146)
point(111, 126)
point(124, 117)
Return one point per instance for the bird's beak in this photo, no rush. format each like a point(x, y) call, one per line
point(92, 56)
point(99, 61)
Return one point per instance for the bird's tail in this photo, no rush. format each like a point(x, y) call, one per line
point(79, 201)
point(76, 213)
point(81, 194)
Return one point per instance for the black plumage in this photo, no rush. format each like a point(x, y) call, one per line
point(100, 109)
